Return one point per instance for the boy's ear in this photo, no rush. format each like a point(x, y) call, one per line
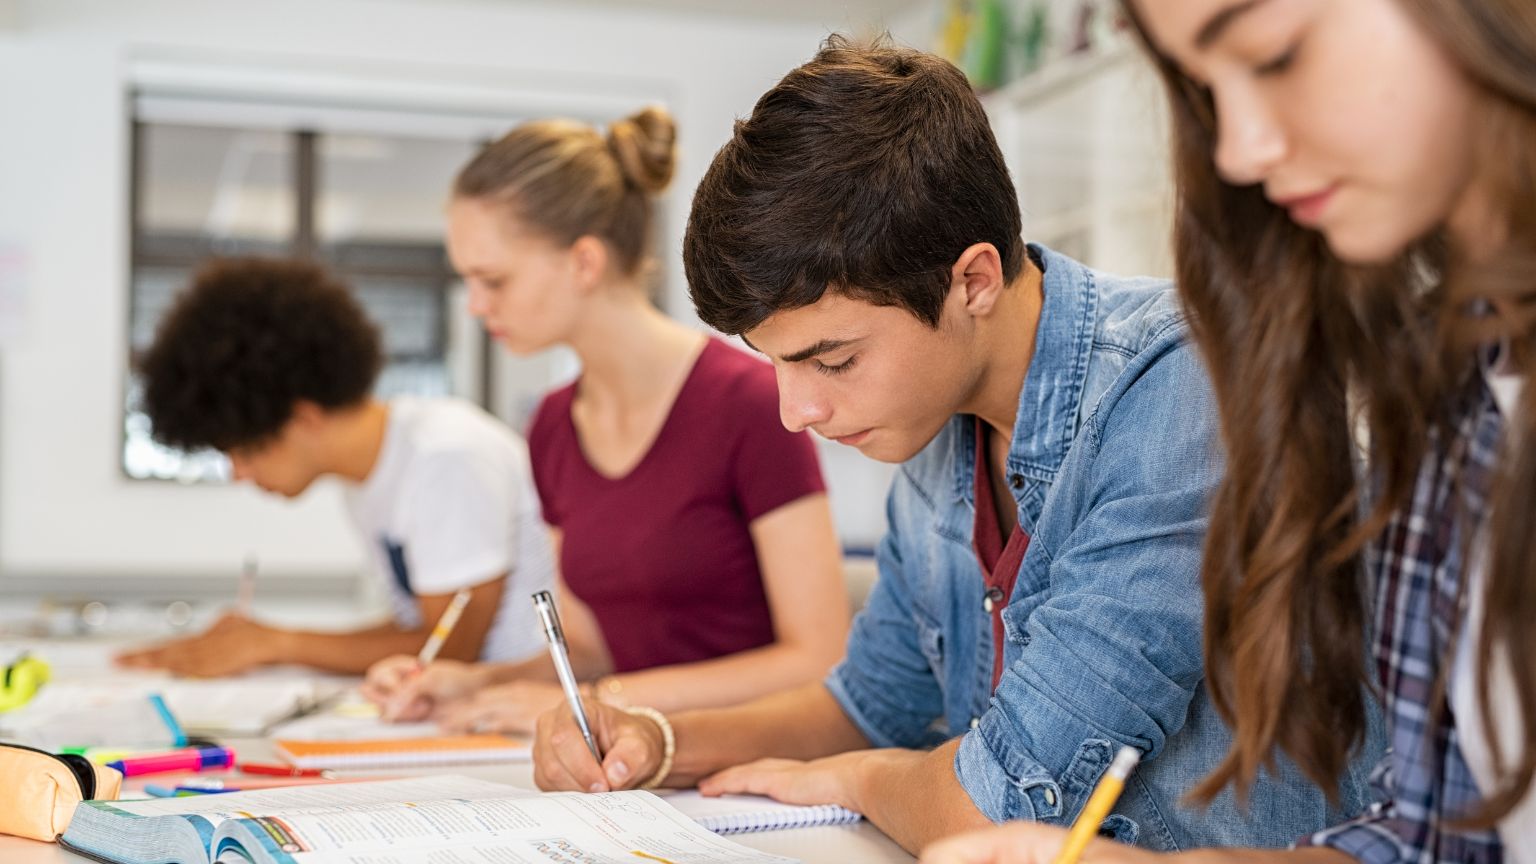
point(978, 275)
point(307, 414)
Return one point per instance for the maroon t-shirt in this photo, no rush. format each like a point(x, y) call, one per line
point(663, 555)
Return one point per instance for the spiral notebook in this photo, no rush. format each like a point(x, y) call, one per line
point(408, 753)
point(738, 814)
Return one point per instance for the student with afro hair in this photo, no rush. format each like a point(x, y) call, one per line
point(272, 362)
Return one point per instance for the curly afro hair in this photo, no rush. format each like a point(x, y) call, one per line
point(248, 339)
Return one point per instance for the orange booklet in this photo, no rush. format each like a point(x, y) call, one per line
point(413, 752)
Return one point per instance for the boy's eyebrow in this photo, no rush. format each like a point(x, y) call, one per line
point(821, 347)
point(1219, 22)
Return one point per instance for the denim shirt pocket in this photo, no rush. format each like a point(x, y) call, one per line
point(1082, 776)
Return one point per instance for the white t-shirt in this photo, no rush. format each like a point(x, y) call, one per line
point(1517, 830)
point(450, 504)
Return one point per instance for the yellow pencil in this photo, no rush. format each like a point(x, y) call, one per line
point(1099, 804)
point(444, 626)
point(434, 643)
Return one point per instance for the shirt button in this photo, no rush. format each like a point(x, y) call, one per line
point(1050, 797)
point(993, 597)
point(975, 721)
point(1016, 481)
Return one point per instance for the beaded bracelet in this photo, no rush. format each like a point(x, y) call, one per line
point(668, 743)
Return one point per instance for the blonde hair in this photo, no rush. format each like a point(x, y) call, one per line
point(566, 180)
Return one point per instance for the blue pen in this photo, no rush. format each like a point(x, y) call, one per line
point(163, 711)
point(159, 791)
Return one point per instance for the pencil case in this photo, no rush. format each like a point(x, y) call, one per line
point(39, 790)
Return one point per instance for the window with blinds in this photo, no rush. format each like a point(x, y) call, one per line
point(359, 189)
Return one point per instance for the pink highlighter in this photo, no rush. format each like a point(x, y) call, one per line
point(190, 759)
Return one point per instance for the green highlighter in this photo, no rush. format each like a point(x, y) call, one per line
point(21, 681)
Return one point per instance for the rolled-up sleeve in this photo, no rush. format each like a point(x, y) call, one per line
point(1112, 655)
point(885, 683)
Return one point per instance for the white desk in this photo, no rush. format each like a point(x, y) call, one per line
point(839, 844)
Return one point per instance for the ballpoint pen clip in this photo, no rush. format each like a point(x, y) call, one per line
point(544, 605)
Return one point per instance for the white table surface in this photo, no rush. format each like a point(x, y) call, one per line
point(837, 844)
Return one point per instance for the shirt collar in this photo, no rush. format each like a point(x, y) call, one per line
point(1053, 388)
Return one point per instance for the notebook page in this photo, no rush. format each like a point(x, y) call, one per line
point(734, 814)
point(620, 826)
point(328, 726)
point(240, 705)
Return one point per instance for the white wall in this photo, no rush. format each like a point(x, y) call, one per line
point(64, 506)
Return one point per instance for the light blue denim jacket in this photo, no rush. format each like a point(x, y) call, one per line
point(1114, 457)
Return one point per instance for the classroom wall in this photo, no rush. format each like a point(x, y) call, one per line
point(65, 508)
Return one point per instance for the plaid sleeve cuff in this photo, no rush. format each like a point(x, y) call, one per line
point(1367, 839)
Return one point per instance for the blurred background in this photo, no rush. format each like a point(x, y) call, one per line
point(138, 137)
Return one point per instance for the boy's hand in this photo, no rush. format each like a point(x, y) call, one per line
point(406, 692)
point(232, 645)
point(1033, 843)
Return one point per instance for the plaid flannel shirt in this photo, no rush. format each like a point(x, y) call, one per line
point(1417, 566)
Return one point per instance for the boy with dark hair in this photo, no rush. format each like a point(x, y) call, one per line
point(273, 362)
point(1038, 604)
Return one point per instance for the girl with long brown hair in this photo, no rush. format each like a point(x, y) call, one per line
point(1356, 246)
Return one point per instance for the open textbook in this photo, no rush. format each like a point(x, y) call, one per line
point(445, 819)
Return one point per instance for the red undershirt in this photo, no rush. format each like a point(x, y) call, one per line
point(999, 562)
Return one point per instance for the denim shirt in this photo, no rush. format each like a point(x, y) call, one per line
point(1113, 459)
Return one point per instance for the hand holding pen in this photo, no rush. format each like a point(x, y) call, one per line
point(634, 749)
point(405, 692)
point(400, 700)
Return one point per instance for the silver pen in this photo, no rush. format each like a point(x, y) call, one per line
point(545, 605)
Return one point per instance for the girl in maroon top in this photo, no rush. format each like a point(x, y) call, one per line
point(698, 562)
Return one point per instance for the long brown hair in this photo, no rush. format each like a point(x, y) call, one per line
point(566, 179)
point(1304, 349)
